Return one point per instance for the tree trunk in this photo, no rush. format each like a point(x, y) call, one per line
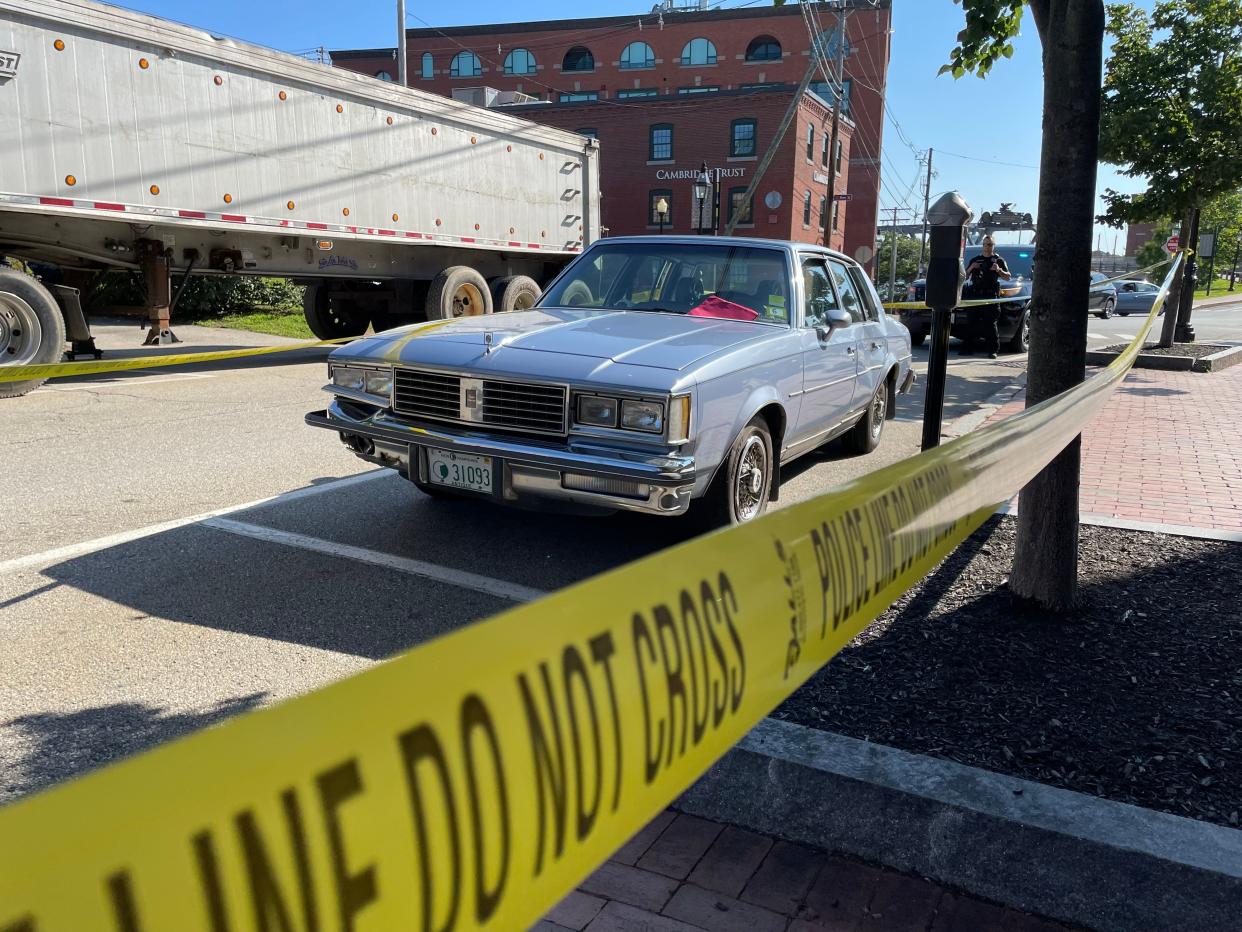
point(1045, 566)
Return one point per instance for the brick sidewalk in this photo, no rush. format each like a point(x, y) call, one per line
point(1167, 448)
point(685, 874)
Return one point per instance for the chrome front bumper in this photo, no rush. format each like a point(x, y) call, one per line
point(575, 472)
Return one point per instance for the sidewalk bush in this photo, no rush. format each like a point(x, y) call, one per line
point(206, 296)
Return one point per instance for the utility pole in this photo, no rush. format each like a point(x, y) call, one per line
point(892, 251)
point(775, 144)
point(926, 205)
point(403, 77)
point(835, 138)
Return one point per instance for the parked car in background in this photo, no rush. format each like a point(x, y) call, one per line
point(1135, 297)
point(1102, 300)
point(654, 373)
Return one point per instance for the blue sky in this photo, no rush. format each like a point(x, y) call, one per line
point(993, 121)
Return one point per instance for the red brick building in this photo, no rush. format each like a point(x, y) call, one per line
point(1136, 235)
point(704, 73)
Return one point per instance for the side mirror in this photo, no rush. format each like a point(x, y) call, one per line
point(836, 319)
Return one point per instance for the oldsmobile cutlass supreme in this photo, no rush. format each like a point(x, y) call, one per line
point(655, 373)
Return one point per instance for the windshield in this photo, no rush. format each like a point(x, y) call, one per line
point(701, 279)
point(1020, 259)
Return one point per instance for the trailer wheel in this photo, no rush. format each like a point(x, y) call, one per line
point(32, 330)
point(458, 291)
point(329, 319)
point(514, 293)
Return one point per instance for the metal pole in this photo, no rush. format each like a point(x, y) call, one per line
point(403, 77)
point(1185, 331)
point(926, 205)
point(1212, 260)
point(834, 138)
point(716, 204)
point(892, 261)
point(937, 372)
point(1237, 254)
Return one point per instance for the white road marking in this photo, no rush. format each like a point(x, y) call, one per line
point(111, 383)
point(1098, 336)
point(124, 537)
point(432, 571)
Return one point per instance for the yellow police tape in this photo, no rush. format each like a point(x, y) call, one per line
point(1003, 299)
point(476, 779)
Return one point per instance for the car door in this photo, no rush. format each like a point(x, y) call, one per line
point(872, 341)
point(829, 358)
point(1098, 292)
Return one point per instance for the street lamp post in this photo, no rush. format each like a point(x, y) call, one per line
point(1237, 252)
point(702, 184)
point(661, 207)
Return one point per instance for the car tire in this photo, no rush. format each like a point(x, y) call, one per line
point(577, 294)
point(514, 293)
point(736, 494)
point(865, 435)
point(331, 319)
point(458, 291)
point(1107, 310)
point(1123, 313)
point(1020, 342)
point(918, 338)
point(32, 330)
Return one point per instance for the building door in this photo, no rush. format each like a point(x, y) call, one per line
point(829, 359)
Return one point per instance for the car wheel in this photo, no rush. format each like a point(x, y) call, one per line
point(1107, 310)
point(1123, 313)
point(918, 337)
point(865, 435)
point(514, 293)
point(1021, 340)
point(32, 330)
point(743, 485)
point(458, 291)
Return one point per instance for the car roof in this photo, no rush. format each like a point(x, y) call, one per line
point(752, 241)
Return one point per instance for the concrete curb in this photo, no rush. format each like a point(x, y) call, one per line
point(1153, 527)
point(1102, 864)
point(1229, 356)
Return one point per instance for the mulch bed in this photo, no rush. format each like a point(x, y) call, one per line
point(1136, 696)
point(1193, 350)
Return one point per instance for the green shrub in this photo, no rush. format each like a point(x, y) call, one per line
point(205, 297)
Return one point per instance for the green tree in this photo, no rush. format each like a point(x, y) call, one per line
point(1172, 114)
point(1153, 250)
point(1071, 33)
point(1223, 216)
point(907, 262)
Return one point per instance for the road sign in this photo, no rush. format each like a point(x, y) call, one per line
point(1171, 244)
point(843, 197)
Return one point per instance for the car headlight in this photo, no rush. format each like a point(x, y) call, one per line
point(643, 415)
point(348, 377)
point(597, 411)
point(378, 382)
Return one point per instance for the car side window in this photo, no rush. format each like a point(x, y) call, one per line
point(850, 299)
point(820, 298)
point(865, 292)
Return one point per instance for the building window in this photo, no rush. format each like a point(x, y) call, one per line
point(810, 142)
point(465, 65)
point(429, 68)
point(823, 155)
point(699, 89)
point(762, 86)
point(637, 55)
point(806, 209)
point(839, 150)
point(739, 207)
point(823, 210)
point(579, 58)
point(661, 148)
point(383, 75)
point(579, 97)
point(589, 131)
point(637, 92)
point(520, 61)
point(763, 48)
point(653, 199)
point(698, 52)
point(825, 92)
point(742, 138)
point(836, 213)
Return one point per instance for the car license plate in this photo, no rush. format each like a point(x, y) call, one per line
point(459, 470)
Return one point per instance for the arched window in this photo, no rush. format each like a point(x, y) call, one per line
point(465, 65)
point(429, 68)
point(520, 61)
point(383, 75)
point(637, 55)
point(699, 52)
point(579, 58)
point(763, 48)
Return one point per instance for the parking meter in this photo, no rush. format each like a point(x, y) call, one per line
point(947, 220)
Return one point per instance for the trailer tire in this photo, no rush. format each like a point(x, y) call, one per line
point(514, 293)
point(328, 319)
point(32, 330)
point(458, 291)
point(577, 294)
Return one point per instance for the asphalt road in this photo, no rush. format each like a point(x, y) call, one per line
point(178, 547)
point(1212, 323)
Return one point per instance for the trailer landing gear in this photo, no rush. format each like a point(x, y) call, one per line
point(155, 273)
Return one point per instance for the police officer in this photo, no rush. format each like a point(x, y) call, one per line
point(983, 276)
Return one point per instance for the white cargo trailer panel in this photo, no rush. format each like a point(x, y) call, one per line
point(119, 116)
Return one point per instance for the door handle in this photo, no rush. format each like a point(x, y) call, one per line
point(875, 346)
point(850, 351)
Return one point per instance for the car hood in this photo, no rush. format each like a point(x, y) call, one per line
point(518, 341)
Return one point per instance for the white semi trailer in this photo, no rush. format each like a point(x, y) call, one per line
point(130, 142)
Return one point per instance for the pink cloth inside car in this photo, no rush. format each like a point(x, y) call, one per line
point(713, 306)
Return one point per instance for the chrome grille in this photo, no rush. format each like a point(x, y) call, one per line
point(427, 394)
point(464, 399)
point(520, 406)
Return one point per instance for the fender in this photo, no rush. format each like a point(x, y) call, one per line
point(759, 398)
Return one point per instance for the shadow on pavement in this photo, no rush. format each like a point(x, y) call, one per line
point(62, 745)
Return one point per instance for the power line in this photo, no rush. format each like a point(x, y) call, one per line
point(972, 158)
